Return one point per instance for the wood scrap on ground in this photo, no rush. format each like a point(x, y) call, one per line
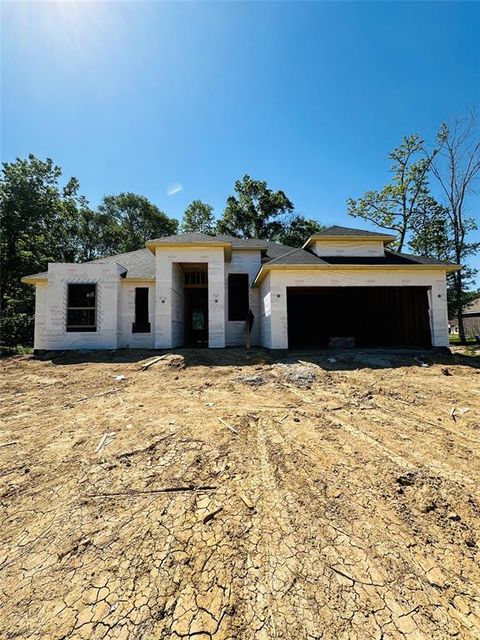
point(9, 444)
point(139, 492)
point(105, 440)
point(245, 500)
point(212, 515)
point(232, 429)
point(149, 363)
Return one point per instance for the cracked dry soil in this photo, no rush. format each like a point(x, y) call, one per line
point(344, 508)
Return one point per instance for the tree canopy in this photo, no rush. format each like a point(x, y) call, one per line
point(44, 219)
point(296, 230)
point(433, 226)
point(396, 205)
point(131, 219)
point(198, 217)
point(255, 211)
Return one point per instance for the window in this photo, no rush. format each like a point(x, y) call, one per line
point(81, 307)
point(238, 296)
point(141, 324)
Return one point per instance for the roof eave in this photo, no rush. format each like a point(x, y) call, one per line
point(33, 280)
point(267, 267)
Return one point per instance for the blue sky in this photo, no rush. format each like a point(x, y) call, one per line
point(180, 97)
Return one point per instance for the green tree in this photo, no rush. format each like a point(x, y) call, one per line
point(395, 206)
point(38, 219)
point(98, 233)
point(132, 219)
point(296, 230)
point(430, 230)
point(198, 217)
point(255, 211)
point(457, 170)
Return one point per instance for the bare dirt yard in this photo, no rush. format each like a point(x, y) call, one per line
point(240, 496)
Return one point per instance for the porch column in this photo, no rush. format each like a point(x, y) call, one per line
point(216, 301)
point(163, 300)
point(279, 317)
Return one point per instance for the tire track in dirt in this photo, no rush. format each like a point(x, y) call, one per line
point(352, 533)
point(399, 603)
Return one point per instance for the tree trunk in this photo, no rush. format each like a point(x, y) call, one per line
point(401, 242)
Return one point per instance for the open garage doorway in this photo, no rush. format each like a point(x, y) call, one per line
point(373, 316)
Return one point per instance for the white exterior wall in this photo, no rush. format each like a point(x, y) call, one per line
point(280, 280)
point(39, 339)
point(265, 295)
point(126, 316)
point(107, 278)
point(361, 248)
point(235, 332)
point(167, 302)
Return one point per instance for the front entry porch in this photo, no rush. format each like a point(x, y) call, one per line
point(190, 298)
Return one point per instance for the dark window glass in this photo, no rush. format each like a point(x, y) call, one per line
point(141, 324)
point(81, 307)
point(81, 295)
point(237, 296)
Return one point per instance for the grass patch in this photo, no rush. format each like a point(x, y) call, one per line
point(455, 339)
point(16, 350)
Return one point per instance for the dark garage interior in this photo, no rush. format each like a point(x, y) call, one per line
point(373, 316)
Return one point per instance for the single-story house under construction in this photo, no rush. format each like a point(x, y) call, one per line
point(192, 289)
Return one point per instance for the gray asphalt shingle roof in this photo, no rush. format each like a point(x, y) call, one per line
point(141, 263)
point(335, 230)
point(201, 238)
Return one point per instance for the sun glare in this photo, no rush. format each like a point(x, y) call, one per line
point(74, 30)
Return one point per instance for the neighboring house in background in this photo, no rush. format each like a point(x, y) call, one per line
point(192, 289)
point(471, 320)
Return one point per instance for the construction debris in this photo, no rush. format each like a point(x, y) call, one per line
point(9, 444)
point(228, 426)
point(174, 360)
point(296, 374)
point(212, 515)
point(253, 381)
point(421, 362)
point(245, 500)
point(149, 363)
point(140, 492)
point(105, 440)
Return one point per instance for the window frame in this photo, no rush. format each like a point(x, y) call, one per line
point(78, 328)
point(230, 311)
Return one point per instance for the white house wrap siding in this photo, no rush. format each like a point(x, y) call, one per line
point(106, 276)
point(126, 317)
point(338, 257)
point(168, 297)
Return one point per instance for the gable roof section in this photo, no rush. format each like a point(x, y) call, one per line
point(189, 240)
point(140, 265)
point(302, 259)
point(296, 257)
point(336, 230)
point(182, 238)
point(347, 233)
